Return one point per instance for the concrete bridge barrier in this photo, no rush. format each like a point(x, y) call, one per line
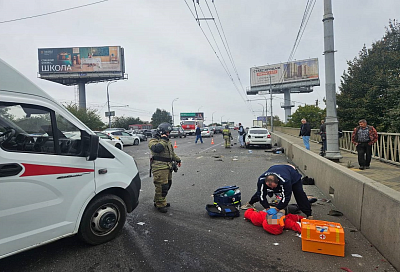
point(370, 206)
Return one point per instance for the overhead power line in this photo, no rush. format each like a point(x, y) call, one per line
point(53, 12)
point(219, 56)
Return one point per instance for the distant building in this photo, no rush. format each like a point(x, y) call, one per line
point(140, 126)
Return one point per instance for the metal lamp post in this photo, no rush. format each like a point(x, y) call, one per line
point(221, 119)
point(108, 104)
point(212, 118)
point(173, 120)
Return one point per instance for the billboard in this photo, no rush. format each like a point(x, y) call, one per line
point(283, 73)
point(79, 63)
point(192, 116)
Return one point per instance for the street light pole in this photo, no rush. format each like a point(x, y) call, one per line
point(173, 120)
point(108, 104)
point(212, 118)
point(221, 119)
point(270, 92)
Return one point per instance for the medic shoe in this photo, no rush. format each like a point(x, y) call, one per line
point(247, 206)
point(168, 205)
point(310, 217)
point(162, 209)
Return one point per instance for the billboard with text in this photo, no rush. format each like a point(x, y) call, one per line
point(80, 60)
point(192, 116)
point(282, 73)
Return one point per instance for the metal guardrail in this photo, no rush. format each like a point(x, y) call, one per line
point(386, 149)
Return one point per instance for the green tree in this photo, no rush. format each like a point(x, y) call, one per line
point(124, 122)
point(311, 113)
point(89, 117)
point(370, 89)
point(160, 116)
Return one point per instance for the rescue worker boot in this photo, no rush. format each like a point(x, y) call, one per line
point(162, 209)
point(168, 205)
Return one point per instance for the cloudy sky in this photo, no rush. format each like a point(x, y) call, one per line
point(169, 56)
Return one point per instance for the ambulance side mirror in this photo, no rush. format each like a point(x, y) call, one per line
point(90, 145)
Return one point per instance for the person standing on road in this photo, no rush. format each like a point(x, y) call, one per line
point(322, 132)
point(198, 134)
point(226, 134)
point(280, 178)
point(364, 137)
point(162, 163)
point(242, 133)
point(305, 132)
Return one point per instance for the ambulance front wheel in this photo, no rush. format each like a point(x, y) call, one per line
point(102, 220)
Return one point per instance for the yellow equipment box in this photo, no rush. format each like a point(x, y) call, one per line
point(322, 237)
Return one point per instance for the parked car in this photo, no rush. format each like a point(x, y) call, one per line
point(207, 132)
point(149, 132)
point(125, 138)
point(114, 141)
point(218, 129)
point(141, 136)
point(177, 132)
point(114, 129)
point(258, 136)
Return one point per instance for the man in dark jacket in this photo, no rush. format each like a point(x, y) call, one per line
point(364, 137)
point(322, 132)
point(198, 134)
point(285, 179)
point(305, 132)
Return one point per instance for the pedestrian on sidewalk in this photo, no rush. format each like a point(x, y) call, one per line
point(305, 132)
point(322, 132)
point(198, 135)
point(364, 136)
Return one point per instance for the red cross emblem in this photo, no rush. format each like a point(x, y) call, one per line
point(322, 237)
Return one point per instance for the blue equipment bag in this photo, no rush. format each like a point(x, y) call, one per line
point(228, 196)
point(222, 211)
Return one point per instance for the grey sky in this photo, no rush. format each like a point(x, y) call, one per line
point(167, 55)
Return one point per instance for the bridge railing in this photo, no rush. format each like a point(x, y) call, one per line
point(386, 149)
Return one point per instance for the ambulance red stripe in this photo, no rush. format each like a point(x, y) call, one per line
point(39, 170)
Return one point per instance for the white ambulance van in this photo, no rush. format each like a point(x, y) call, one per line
point(52, 186)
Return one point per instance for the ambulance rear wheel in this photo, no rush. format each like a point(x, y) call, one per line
point(102, 220)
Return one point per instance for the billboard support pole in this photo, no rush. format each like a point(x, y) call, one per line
point(82, 95)
point(332, 127)
point(108, 104)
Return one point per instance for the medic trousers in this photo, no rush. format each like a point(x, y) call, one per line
point(162, 181)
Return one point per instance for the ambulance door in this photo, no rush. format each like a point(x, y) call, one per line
point(44, 178)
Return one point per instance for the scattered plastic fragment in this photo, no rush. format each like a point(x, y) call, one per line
point(346, 269)
point(276, 244)
point(356, 255)
point(141, 223)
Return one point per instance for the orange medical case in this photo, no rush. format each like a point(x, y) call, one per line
point(322, 237)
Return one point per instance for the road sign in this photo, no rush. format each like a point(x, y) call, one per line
point(110, 113)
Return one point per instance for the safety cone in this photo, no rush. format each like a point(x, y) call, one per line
point(175, 146)
point(212, 141)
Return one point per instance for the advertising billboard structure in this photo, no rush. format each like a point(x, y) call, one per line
point(192, 116)
point(298, 76)
point(72, 65)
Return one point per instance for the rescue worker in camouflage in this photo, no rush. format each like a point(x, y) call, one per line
point(162, 164)
point(226, 133)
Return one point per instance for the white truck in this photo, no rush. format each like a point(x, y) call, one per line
point(51, 185)
point(257, 123)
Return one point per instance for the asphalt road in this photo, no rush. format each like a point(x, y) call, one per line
point(187, 239)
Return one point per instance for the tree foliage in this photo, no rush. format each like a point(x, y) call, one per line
point(89, 117)
point(311, 113)
point(124, 122)
point(370, 89)
point(160, 116)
